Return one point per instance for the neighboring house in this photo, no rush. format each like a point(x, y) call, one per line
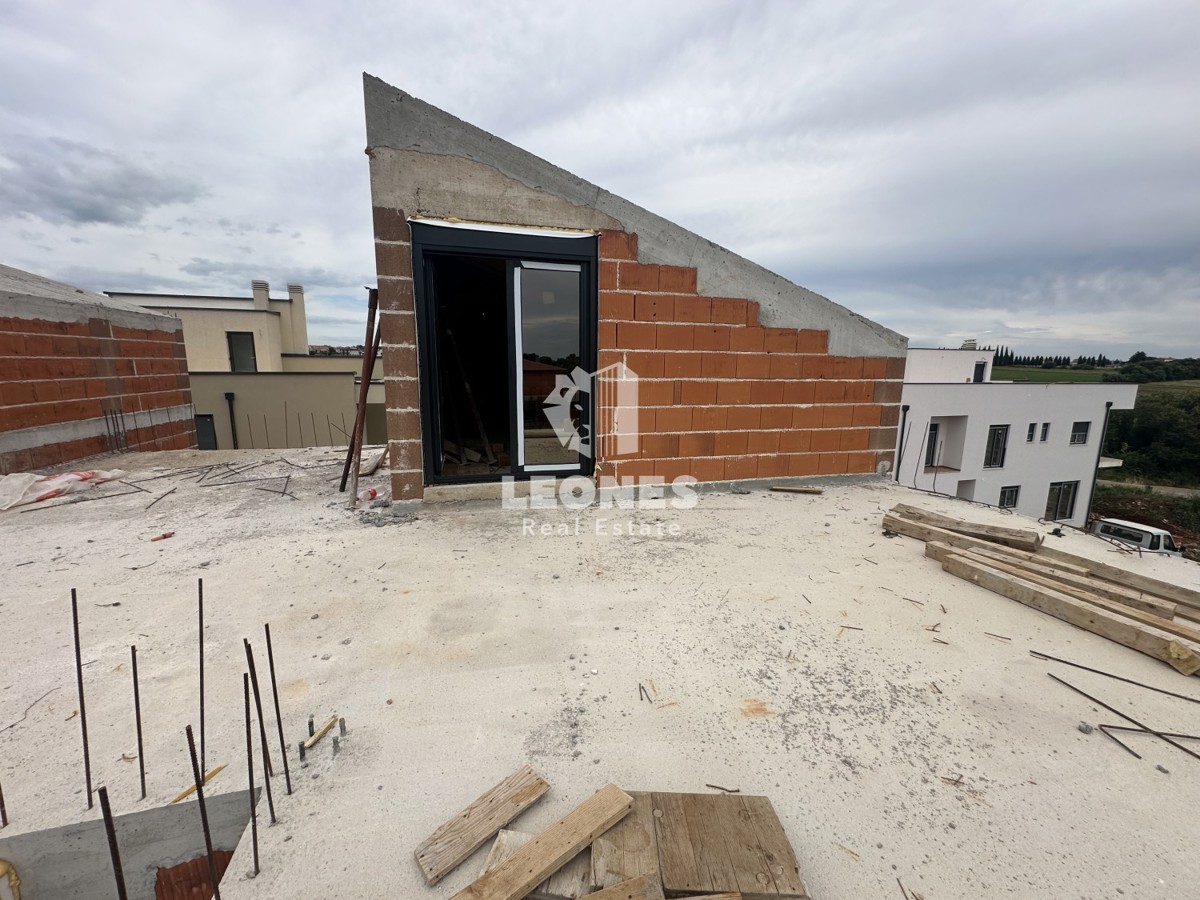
point(488, 255)
point(1030, 447)
point(254, 383)
point(83, 374)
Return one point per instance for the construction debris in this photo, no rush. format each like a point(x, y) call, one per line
point(796, 489)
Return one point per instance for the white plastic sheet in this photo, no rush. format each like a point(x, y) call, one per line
point(25, 487)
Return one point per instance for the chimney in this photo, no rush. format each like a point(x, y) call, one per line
point(299, 319)
point(262, 294)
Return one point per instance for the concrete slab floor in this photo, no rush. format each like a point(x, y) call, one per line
point(459, 647)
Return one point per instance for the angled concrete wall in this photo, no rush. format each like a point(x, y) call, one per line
point(427, 162)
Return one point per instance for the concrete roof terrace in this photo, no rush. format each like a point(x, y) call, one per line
point(458, 646)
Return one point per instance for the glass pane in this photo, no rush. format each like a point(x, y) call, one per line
point(553, 404)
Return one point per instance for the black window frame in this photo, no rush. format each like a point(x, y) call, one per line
point(428, 239)
point(989, 452)
point(229, 336)
point(931, 439)
point(1058, 502)
point(1016, 496)
point(1075, 432)
point(978, 373)
point(1032, 433)
point(1045, 432)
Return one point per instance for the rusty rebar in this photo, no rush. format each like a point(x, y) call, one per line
point(262, 729)
point(137, 717)
point(113, 850)
point(287, 775)
point(212, 862)
point(250, 769)
point(87, 757)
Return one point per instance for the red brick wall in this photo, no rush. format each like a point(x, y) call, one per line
point(720, 396)
point(54, 372)
point(724, 398)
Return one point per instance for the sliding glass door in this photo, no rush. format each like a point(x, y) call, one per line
point(507, 342)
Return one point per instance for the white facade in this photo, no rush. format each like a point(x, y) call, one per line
point(1031, 447)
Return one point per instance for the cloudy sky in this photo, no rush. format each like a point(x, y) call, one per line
point(1023, 172)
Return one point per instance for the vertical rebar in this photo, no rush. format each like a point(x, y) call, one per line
point(287, 775)
point(200, 610)
point(212, 862)
point(137, 718)
point(113, 850)
point(262, 729)
point(3, 809)
point(250, 769)
point(87, 757)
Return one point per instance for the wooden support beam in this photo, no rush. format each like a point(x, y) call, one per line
point(546, 853)
point(923, 532)
point(1122, 629)
point(1163, 609)
point(1020, 538)
point(1175, 593)
point(628, 850)
point(459, 837)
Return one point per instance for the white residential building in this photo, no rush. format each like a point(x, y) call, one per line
point(1030, 447)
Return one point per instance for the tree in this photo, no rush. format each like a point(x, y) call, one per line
point(1138, 357)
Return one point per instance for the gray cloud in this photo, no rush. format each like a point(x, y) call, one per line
point(61, 181)
point(1011, 170)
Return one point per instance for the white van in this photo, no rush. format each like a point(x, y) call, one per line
point(1146, 537)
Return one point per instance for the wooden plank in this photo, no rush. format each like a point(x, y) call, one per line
point(1163, 609)
point(644, 887)
point(776, 848)
point(320, 733)
point(630, 849)
point(545, 854)
point(1020, 538)
point(921, 531)
point(459, 837)
point(939, 551)
point(572, 881)
point(717, 844)
point(677, 851)
point(1175, 593)
point(1123, 630)
point(796, 489)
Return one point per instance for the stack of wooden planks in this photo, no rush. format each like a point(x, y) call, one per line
point(619, 846)
point(1154, 617)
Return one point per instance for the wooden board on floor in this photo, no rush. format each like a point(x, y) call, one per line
point(1020, 538)
point(572, 881)
point(628, 850)
point(796, 489)
point(1162, 645)
point(724, 843)
point(458, 838)
point(644, 887)
point(549, 851)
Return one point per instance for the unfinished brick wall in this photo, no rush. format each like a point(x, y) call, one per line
point(398, 336)
point(58, 379)
point(724, 398)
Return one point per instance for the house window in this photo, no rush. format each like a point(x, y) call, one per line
point(997, 444)
point(1009, 496)
point(1079, 432)
point(1060, 502)
point(931, 446)
point(241, 351)
point(980, 369)
point(1032, 433)
point(1045, 431)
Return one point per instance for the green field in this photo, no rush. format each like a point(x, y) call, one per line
point(1176, 388)
point(1030, 373)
